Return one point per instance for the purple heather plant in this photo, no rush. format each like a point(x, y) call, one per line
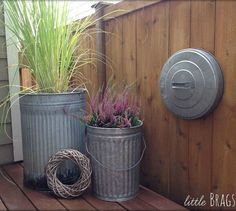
point(113, 110)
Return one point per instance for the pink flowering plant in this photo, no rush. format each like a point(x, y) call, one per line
point(113, 110)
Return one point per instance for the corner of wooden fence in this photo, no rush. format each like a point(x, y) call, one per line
point(100, 43)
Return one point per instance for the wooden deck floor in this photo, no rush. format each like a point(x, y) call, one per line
point(14, 196)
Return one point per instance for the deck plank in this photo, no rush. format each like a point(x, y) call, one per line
point(76, 204)
point(158, 201)
point(102, 205)
point(18, 197)
point(2, 206)
point(43, 201)
point(137, 204)
point(12, 196)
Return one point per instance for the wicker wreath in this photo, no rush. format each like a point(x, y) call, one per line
point(84, 180)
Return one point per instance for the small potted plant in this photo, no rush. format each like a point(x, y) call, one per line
point(114, 143)
point(50, 48)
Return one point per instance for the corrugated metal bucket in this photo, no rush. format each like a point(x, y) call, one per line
point(115, 156)
point(49, 124)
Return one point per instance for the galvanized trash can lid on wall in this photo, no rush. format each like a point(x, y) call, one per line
point(191, 83)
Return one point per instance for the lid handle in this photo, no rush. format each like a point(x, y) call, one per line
point(183, 85)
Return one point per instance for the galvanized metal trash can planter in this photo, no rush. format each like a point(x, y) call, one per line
point(49, 125)
point(115, 156)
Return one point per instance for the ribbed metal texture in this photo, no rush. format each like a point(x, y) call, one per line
point(49, 124)
point(118, 150)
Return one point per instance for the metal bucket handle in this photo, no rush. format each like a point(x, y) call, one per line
point(124, 169)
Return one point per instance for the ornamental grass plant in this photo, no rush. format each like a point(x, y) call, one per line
point(50, 47)
point(48, 44)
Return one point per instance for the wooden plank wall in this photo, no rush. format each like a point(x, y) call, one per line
point(89, 70)
point(6, 145)
point(183, 157)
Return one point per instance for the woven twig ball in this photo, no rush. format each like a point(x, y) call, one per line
point(84, 180)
